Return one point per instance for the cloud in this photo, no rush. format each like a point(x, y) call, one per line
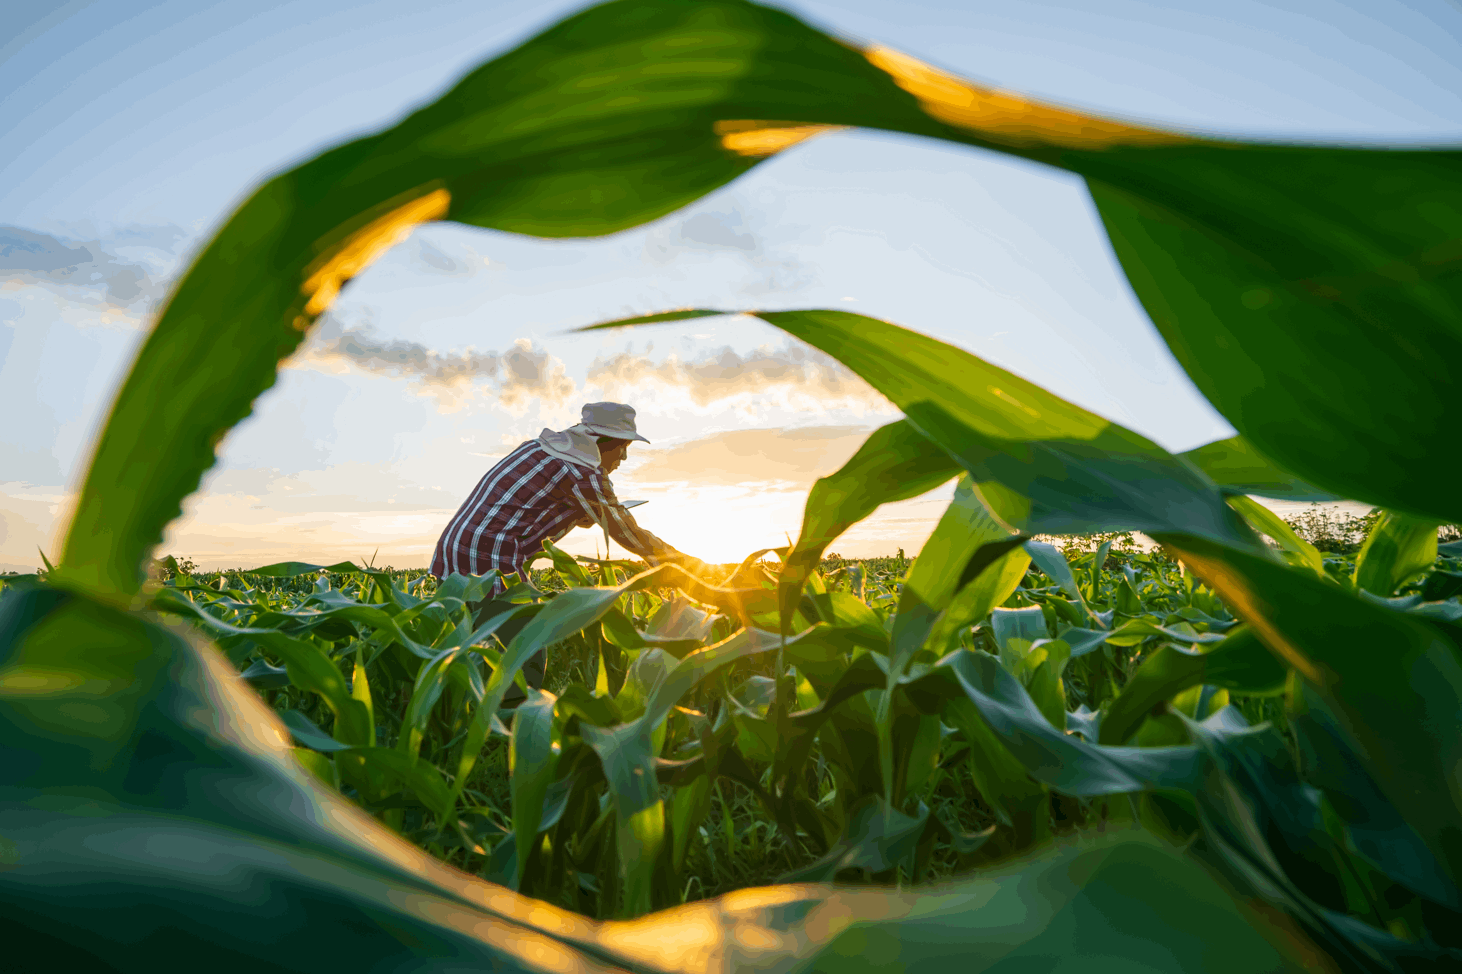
point(781, 456)
point(512, 377)
point(529, 373)
point(138, 277)
point(797, 371)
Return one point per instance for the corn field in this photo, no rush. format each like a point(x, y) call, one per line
point(1035, 745)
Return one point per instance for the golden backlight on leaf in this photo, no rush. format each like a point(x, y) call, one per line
point(1005, 117)
point(750, 137)
point(1235, 589)
point(330, 272)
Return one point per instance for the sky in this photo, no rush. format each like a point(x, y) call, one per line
point(134, 129)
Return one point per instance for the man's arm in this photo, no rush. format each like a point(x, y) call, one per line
point(596, 496)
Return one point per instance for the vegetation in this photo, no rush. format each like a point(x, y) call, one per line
point(1229, 753)
point(762, 817)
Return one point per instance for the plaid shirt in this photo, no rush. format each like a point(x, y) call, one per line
point(530, 496)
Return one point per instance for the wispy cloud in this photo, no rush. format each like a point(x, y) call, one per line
point(796, 370)
point(512, 377)
point(127, 272)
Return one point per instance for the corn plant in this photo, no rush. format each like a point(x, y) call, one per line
point(1236, 749)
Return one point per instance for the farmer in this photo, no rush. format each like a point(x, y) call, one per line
point(538, 493)
point(541, 490)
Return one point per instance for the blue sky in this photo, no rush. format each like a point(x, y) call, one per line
point(134, 128)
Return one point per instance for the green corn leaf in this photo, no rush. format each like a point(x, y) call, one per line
point(639, 813)
point(1051, 756)
point(1297, 549)
point(851, 619)
point(644, 675)
point(578, 701)
point(873, 841)
point(308, 667)
point(895, 463)
point(424, 780)
point(943, 567)
point(1094, 576)
point(360, 691)
point(321, 767)
point(302, 729)
point(1302, 272)
point(822, 653)
point(789, 746)
point(979, 598)
point(1083, 641)
point(619, 631)
point(699, 665)
point(1088, 907)
point(171, 600)
point(1028, 624)
point(263, 676)
point(532, 766)
point(1129, 600)
point(1276, 831)
point(627, 755)
point(965, 541)
point(470, 588)
point(1239, 469)
point(566, 614)
point(689, 806)
point(567, 566)
point(1049, 559)
point(1134, 631)
point(1046, 663)
point(1398, 548)
point(1378, 829)
point(1239, 663)
point(1397, 709)
point(679, 626)
point(430, 681)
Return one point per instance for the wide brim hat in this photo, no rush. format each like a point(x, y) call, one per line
point(612, 419)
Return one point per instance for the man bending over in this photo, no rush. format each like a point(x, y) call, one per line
point(540, 491)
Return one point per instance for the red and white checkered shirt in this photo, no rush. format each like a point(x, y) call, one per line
point(530, 496)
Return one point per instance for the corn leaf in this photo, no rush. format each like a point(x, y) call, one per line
point(1398, 548)
point(895, 463)
point(533, 762)
point(1239, 663)
point(1238, 468)
point(1396, 710)
point(1297, 549)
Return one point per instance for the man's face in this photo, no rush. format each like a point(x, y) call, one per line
point(610, 457)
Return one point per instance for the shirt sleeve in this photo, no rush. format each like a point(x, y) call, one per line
point(596, 496)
